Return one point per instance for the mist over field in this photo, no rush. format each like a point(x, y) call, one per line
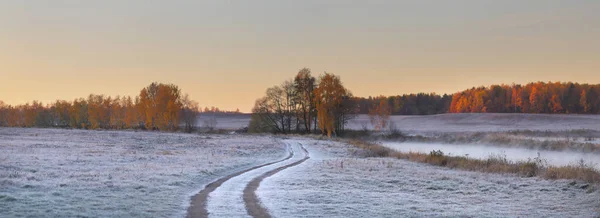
point(555, 158)
point(467, 122)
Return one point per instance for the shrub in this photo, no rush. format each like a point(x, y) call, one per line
point(394, 132)
point(437, 158)
point(528, 169)
point(437, 153)
point(581, 171)
point(373, 150)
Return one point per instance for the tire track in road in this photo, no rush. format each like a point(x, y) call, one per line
point(198, 207)
point(253, 205)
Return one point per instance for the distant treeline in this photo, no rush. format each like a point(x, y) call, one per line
point(157, 107)
point(538, 97)
point(216, 110)
point(409, 104)
point(302, 104)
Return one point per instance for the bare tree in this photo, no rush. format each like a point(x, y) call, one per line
point(3, 114)
point(304, 84)
point(276, 111)
point(263, 117)
point(290, 105)
point(210, 123)
point(189, 113)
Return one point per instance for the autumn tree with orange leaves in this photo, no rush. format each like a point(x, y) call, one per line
point(99, 111)
point(379, 114)
point(538, 97)
point(330, 96)
point(158, 107)
point(161, 104)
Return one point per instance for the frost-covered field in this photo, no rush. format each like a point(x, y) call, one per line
point(335, 183)
point(67, 173)
point(486, 122)
point(225, 121)
point(469, 122)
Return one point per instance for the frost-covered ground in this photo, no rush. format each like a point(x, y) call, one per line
point(68, 173)
point(336, 183)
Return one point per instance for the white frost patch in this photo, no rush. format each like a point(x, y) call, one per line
point(341, 186)
point(68, 173)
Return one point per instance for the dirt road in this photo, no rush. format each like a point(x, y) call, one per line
point(234, 195)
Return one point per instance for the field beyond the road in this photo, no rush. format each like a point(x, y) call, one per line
point(467, 122)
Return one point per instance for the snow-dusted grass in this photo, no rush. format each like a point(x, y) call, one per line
point(67, 173)
point(335, 183)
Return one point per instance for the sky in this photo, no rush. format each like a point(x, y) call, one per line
point(227, 53)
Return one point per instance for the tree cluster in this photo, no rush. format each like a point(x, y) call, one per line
point(538, 97)
point(216, 110)
point(408, 104)
point(158, 107)
point(304, 104)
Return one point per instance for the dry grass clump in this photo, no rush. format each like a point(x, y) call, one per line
point(165, 152)
point(581, 171)
point(372, 149)
point(494, 164)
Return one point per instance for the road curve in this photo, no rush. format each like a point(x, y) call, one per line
point(253, 206)
point(198, 204)
point(234, 195)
